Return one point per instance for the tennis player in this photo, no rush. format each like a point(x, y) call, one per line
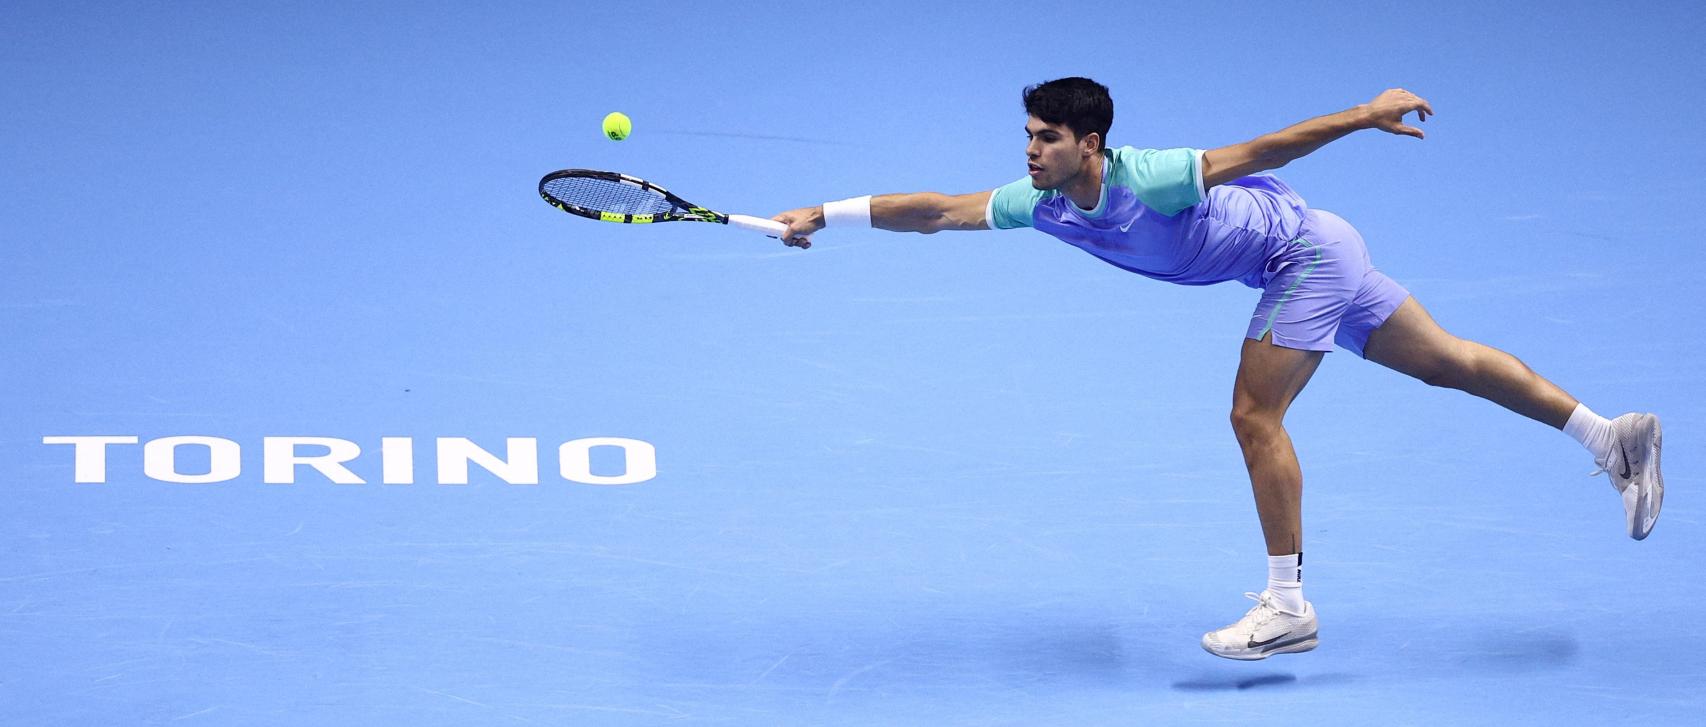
point(1196, 217)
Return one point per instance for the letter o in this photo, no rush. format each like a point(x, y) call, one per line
point(160, 459)
point(574, 461)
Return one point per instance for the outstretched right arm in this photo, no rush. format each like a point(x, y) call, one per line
point(925, 212)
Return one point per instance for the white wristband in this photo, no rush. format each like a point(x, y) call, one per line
point(854, 212)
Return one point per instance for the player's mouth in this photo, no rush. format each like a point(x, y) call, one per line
point(1034, 169)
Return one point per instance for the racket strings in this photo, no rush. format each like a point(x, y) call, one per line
point(605, 195)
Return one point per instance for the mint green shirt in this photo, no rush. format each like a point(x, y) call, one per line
point(1164, 180)
point(1155, 218)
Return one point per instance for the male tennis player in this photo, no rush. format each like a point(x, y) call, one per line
point(1198, 217)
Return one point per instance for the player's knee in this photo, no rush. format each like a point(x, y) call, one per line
point(1440, 375)
point(1450, 368)
point(1252, 423)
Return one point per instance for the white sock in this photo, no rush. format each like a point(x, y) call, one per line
point(1285, 581)
point(1593, 431)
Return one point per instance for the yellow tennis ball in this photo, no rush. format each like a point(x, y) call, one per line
point(617, 126)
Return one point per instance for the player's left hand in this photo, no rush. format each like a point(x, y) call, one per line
point(1386, 111)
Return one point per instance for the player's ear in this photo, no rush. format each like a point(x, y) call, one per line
point(1091, 143)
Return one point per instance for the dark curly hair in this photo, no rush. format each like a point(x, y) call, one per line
point(1083, 105)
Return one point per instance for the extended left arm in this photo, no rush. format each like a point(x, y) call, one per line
point(1272, 151)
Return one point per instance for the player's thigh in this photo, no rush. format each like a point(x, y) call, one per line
point(1410, 342)
point(1270, 377)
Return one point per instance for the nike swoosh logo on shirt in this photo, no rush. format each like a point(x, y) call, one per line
point(1127, 226)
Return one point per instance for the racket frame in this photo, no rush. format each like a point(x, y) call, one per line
point(689, 212)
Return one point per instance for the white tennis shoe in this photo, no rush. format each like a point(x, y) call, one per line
point(1264, 631)
point(1634, 470)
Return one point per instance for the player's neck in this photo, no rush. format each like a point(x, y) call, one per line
point(1085, 190)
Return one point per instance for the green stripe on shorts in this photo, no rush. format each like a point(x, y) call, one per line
point(1269, 325)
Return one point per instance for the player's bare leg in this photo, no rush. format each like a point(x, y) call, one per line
point(1269, 379)
point(1627, 448)
point(1411, 342)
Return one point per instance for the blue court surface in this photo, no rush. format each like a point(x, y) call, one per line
point(961, 479)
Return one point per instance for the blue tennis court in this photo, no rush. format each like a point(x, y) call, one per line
point(277, 280)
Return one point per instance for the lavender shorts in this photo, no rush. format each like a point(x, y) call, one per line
point(1321, 289)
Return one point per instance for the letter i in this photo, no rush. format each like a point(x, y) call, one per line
point(398, 456)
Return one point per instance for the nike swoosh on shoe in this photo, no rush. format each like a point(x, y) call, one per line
point(1252, 644)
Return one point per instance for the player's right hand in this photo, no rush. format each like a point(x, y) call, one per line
point(801, 224)
point(1386, 111)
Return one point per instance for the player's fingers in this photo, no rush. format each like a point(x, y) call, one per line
point(1410, 131)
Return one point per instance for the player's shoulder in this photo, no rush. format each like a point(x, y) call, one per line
point(1014, 204)
point(1137, 157)
point(1130, 163)
point(1129, 152)
point(1166, 180)
point(1126, 163)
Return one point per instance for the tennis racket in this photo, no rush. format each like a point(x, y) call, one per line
point(613, 197)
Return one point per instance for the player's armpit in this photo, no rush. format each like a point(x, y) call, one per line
point(1227, 163)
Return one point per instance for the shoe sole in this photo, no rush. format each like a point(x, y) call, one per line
point(1656, 497)
point(1295, 647)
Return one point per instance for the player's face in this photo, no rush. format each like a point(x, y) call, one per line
point(1054, 156)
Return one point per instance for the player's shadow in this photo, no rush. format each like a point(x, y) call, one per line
point(1493, 651)
point(1516, 651)
point(1266, 680)
point(1221, 683)
point(847, 656)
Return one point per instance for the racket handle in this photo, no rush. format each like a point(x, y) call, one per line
point(759, 224)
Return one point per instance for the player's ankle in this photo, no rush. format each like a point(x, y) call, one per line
point(1285, 581)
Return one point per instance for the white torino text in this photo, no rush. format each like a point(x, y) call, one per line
point(281, 459)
